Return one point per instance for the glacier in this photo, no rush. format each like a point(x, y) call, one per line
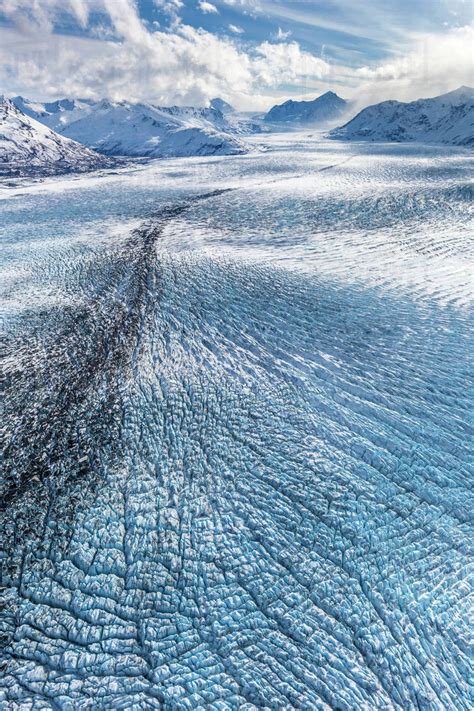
point(237, 432)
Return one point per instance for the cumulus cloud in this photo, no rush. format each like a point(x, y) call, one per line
point(207, 7)
point(184, 65)
point(288, 62)
point(436, 64)
point(169, 6)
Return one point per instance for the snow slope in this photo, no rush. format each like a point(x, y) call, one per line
point(220, 105)
point(27, 147)
point(140, 129)
point(322, 110)
point(242, 123)
point(448, 118)
point(55, 114)
point(145, 130)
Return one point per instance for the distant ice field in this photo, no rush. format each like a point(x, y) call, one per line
point(401, 214)
point(238, 427)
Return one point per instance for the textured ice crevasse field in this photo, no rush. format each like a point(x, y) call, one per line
point(236, 485)
point(404, 227)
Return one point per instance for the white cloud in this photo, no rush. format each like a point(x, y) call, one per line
point(184, 65)
point(207, 7)
point(169, 6)
point(31, 15)
point(288, 62)
point(280, 35)
point(436, 64)
point(244, 5)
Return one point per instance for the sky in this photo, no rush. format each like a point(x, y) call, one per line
point(252, 53)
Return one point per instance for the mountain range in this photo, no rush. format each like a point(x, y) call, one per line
point(28, 147)
point(77, 134)
point(138, 129)
point(448, 118)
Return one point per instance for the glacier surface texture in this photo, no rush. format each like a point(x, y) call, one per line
point(237, 433)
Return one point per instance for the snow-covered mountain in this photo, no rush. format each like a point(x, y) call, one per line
point(323, 110)
point(222, 106)
point(241, 123)
point(448, 118)
point(139, 129)
point(55, 114)
point(146, 130)
point(27, 147)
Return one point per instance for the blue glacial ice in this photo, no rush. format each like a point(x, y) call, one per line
point(238, 468)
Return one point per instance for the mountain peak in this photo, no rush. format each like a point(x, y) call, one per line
point(221, 105)
point(319, 111)
point(448, 118)
point(463, 90)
